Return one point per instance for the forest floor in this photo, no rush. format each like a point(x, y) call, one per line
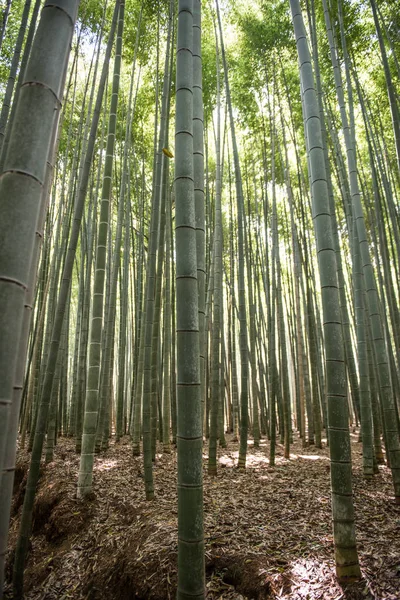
point(268, 531)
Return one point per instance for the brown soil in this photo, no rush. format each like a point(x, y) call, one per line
point(267, 529)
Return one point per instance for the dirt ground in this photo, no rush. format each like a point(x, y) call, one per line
point(268, 531)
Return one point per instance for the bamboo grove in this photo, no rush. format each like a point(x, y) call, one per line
point(199, 235)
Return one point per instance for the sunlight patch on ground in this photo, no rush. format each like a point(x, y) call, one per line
point(282, 459)
point(305, 456)
point(313, 457)
point(254, 459)
point(105, 465)
point(228, 461)
point(308, 577)
point(263, 442)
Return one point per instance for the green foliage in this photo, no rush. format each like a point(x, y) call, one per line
point(209, 66)
point(7, 48)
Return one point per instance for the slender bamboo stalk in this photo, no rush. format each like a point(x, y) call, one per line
point(92, 392)
point(347, 566)
point(26, 518)
point(189, 428)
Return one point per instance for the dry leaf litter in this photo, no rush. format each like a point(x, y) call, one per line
point(268, 531)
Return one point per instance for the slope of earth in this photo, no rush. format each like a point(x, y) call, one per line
point(267, 529)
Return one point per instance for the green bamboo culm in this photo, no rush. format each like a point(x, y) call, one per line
point(198, 165)
point(215, 399)
point(372, 298)
point(366, 407)
point(167, 325)
point(92, 393)
point(243, 337)
point(41, 420)
point(394, 110)
point(21, 188)
point(124, 188)
point(22, 184)
point(347, 566)
point(189, 423)
point(54, 95)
